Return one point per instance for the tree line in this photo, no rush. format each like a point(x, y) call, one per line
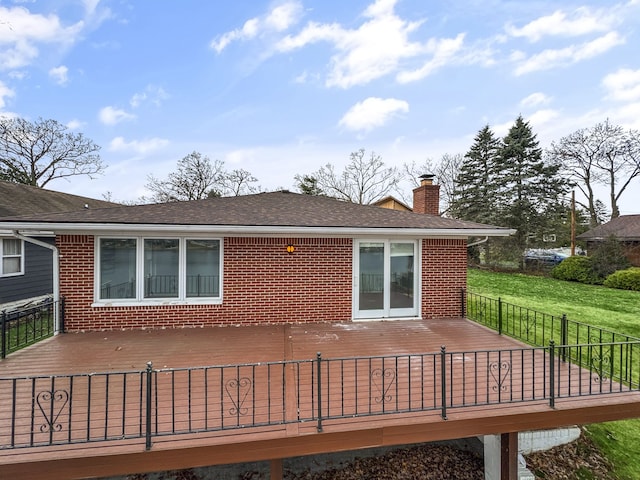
point(508, 181)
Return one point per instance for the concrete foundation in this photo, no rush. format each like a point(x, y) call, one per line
point(528, 442)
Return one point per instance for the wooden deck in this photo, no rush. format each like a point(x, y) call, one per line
point(391, 397)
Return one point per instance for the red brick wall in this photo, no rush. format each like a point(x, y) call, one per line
point(444, 275)
point(426, 199)
point(262, 284)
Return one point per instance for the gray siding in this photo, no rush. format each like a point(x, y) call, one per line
point(38, 276)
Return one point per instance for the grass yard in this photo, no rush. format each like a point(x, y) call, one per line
point(617, 310)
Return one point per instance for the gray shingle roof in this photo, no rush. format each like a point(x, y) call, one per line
point(276, 209)
point(625, 227)
point(19, 200)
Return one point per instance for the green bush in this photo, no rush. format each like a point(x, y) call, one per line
point(576, 269)
point(628, 279)
point(608, 257)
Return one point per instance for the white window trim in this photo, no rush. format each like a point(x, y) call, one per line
point(140, 300)
point(3, 256)
point(357, 315)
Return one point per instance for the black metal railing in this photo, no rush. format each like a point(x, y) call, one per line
point(577, 361)
point(539, 329)
point(67, 409)
point(23, 327)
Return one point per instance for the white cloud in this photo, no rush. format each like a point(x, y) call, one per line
point(548, 59)
point(283, 16)
point(374, 49)
point(623, 85)
point(535, 99)
point(443, 52)
point(280, 18)
point(111, 116)
point(152, 94)
point(60, 74)
point(23, 33)
point(581, 21)
point(141, 147)
point(5, 92)
point(74, 124)
point(372, 112)
point(541, 118)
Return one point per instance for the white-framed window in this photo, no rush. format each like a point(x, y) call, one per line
point(386, 274)
point(151, 269)
point(11, 257)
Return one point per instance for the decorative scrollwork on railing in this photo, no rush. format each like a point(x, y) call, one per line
point(237, 390)
point(51, 405)
point(499, 371)
point(530, 325)
point(600, 364)
point(481, 312)
point(383, 379)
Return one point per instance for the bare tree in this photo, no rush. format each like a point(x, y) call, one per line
point(238, 182)
point(602, 155)
point(36, 153)
point(445, 172)
point(364, 180)
point(198, 177)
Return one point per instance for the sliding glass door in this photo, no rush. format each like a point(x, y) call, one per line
point(385, 279)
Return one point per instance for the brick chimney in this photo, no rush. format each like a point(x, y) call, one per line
point(426, 198)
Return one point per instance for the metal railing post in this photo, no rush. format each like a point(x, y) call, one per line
point(500, 315)
point(319, 383)
point(3, 319)
point(61, 314)
point(552, 377)
point(463, 302)
point(564, 333)
point(443, 380)
point(149, 374)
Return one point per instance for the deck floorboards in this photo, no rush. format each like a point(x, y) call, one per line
point(402, 351)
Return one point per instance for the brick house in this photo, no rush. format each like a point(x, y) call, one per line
point(259, 259)
point(625, 229)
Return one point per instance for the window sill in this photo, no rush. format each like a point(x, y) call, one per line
point(8, 275)
point(156, 303)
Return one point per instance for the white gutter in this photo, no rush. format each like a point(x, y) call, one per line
point(478, 242)
point(275, 231)
point(56, 275)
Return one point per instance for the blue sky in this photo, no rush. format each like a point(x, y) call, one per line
point(283, 87)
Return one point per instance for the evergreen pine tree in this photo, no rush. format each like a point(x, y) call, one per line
point(474, 191)
point(528, 188)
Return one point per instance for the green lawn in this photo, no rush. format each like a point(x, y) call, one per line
point(617, 310)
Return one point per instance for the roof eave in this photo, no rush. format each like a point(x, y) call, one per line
point(281, 231)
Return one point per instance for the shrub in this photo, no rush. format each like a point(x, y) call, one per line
point(608, 257)
point(576, 269)
point(628, 279)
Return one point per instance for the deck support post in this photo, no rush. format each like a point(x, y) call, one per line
point(276, 470)
point(509, 456)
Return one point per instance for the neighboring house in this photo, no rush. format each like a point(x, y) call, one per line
point(392, 203)
point(625, 229)
point(268, 258)
point(26, 268)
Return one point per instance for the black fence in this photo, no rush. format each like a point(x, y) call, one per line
point(577, 342)
point(23, 327)
point(577, 361)
point(81, 408)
